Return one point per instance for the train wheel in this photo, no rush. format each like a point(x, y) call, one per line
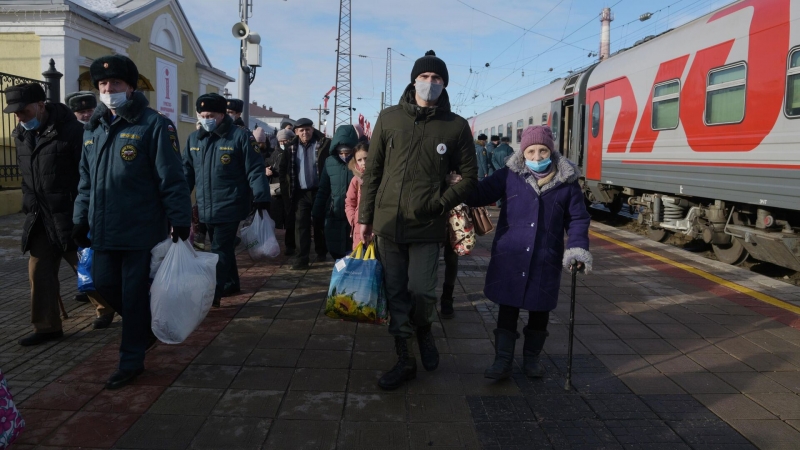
point(657, 234)
point(733, 253)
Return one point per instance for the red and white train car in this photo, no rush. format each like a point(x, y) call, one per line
point(698, 127)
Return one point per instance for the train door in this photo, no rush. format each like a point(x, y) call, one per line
point(595, 100)
point(555, 124)
point(566, 134)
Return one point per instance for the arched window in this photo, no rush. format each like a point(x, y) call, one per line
point(165, 36)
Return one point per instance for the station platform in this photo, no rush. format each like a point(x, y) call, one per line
point(672, 351)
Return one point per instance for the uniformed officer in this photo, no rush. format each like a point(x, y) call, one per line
point(82, 104)
point(131, 190)
point(222, 162)
point(234, 108)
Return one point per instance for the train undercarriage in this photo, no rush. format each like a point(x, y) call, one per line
point(734, 230)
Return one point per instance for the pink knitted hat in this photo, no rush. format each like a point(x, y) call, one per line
point(536, 134)
point(260, 134)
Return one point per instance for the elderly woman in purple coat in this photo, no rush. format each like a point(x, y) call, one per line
point(541, 200)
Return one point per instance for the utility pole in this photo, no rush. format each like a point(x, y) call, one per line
point(388, 87)
point(382, 98)
point(245, 11)
point(319, 111)
point(343, 111)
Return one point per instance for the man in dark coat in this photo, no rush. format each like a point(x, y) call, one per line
point(404, 200)
point(480, 154)
point(234, 109)
point(300, 170)
point(221, 160)
point(329, 204)
point(131, 190)
point(494, 141)
point(48, 140)
point(284, 148)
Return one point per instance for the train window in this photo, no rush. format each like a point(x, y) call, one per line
point(666, 101)
point(554, 126)
point(509, 130)
point(725, 95)
point(793, 85)
point(492, 132)
point(500, 130)
point(520, 124)
point(544, 119)
point(530, 120)
point(595, 119)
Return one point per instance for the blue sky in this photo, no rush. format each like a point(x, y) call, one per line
point(516, 37)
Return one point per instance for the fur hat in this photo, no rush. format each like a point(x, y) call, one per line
point(481, 137)
point(235, 104)
point(211, 103)
point(430, 63)
point(81, 100)
point(536, 134)
point(114, 66)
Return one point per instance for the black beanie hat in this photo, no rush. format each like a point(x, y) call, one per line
point(494, 138)
point(211, 103)
point(430, 63)
point(114, 66)
point(235, 104)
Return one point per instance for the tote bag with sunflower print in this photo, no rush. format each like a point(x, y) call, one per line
point(356, 292)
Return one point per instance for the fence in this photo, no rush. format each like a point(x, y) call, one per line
point(9, 170)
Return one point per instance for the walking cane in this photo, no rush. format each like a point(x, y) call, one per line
point(64, 314)
point(574, 270)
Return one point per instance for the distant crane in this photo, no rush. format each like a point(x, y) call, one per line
point(343, 111)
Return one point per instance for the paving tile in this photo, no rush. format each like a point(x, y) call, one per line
point(238, 340)
point(644, 433)
point(288, 326)
point(678, 407)
point(331, 380)
point(619, 407)
point(366, 435)
point(650, 383)
point(651, 347)
point(250, 310)
point(694, 345)
point(430, 383)
point(702, 383)
point(466, 330)
point(469, 346)
point(734, 407)
point(249, 403)
point(338, 327)
point(627, 364)
point(92, 429)
point(159, 375)
point(223, 355)
point(471, 363)
point(790, 380)
point(128, 400)
point(608, 347)
point(366, 381)
point(330, 342)
point(784, 405)
point(710, 434)
point(375, 408)
point(374, 360)
point(719, 363)
point(752, 382)
point(579, 433)
point(598, 383)
point(263, 378)
point(232, 433)
point(273, 357)
point(325, 359)
point(443, 436)
point(171, 354)
point(167, 432)
point(305, 405)
point(65, 396)
point(240, 324)
point(187, 401)
point(297, 341)
point(302, 435)
point(560, 407)
point(203, 376)
point(499, 409)
point(771, 434)
point(39, 423)
point(366, 343)
point(674, 363)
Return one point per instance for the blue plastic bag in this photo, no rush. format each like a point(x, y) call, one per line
point(356, 291)
point(85, 282)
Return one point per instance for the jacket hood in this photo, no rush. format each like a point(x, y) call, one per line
point(409, 103)
point(566, 171)
point(345, 135)
point(131, 110)
point(221, 129)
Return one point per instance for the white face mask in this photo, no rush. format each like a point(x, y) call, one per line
point(283, 146)
point(83, 121)
point(428, 91)
point(113, 101)
point(208, 124)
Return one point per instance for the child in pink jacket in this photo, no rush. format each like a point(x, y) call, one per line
point(353, 198)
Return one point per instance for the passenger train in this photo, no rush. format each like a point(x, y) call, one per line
point(698, 128)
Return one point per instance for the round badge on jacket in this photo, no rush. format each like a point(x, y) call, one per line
point(441, 149)
point(128, 152)
point(225, 159)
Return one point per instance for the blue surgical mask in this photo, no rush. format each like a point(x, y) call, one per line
point(208, 124)
point(538, 166)
point(31, 124)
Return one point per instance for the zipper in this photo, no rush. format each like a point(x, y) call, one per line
point(386, 184)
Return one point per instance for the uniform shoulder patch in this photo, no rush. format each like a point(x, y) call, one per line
point(174, 140)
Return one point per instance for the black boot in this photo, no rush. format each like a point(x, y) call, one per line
point(122, 378)
point(504, 343)
point(428, 353)
point(534, 341)
point(447, 301)
point(404, 370)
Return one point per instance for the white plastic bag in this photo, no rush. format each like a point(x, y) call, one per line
point(182, 292)
point(259, 238)
point(157, 255)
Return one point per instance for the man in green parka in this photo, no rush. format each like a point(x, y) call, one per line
point(332, 191)
point(221, 161)
point(405, 199)
point(131, 191)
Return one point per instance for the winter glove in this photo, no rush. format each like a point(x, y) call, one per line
point(180, 232)
point(261, 206)
point(80, 235)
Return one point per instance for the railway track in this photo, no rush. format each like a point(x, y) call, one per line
point(626, 220)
